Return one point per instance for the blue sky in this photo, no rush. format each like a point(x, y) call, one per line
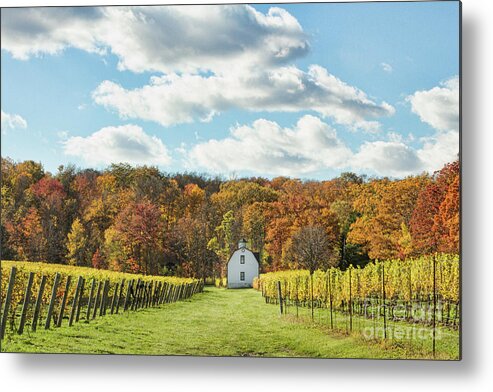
point(308, 91)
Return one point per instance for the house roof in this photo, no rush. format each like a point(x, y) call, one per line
point(255, 254)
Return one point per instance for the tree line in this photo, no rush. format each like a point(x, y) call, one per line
point(139, 219)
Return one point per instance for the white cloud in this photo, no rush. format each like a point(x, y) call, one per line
point(267, 148)
point(439, 106)
point(439, 149)
point(12, 121)
point(63, 135)
point(391, 158)
point(395, 158)
point(213, 57)
point(165, 39)
point(387, 67)
point(173, 99)
point(311, 145)
point(28, 32)
point(126, 143)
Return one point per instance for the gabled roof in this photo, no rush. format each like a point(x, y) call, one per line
point(255, 254)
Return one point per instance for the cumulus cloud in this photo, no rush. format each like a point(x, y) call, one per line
point(386, 67)
point(439, 106)
point(391, 158)
point(397, 159)
point(265, 147)
point(439, 149)
point(165, 39)
point(173, 99)
point(12, 121)
point(126, 143)
point(211, 58)
point(28, 32)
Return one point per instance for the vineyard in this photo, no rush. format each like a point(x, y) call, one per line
point(43, 295)
point(380, 300)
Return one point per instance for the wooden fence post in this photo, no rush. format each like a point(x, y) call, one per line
point(148, 294)
point(142, 293)
point(297, 296)
point(434, 303)
point(144, 296)
point(350, 301)
point(173, 293)
point(383, 300)
point(136, 295)
point(151, 293)
point(169, 289)
point(74, 302)
point(157, 293)
point(102, 305)
point(8, 298)
point(64, 301)
point(39, 300)
point(120, 296)
point(107, 298)
point(51, 306)
point(140, 297)
point(152, 288)
point(90, 299)
point(114, 299)
point(79, 301)
point(311, 293)
point(127, 295)
point(160, 293)
point(169, 293)
point(330, 296)
point(96, 300)
point(163, 294)
point(25, 305)
point(279, 294)
point(145, 300)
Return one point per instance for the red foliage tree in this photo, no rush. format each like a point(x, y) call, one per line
point(446, 223)
point(98, 261)
point(424, 230)
point(140, 227)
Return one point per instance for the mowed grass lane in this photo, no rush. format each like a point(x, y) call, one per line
point(216, 322)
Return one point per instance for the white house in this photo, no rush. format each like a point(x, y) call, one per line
point(242, 267)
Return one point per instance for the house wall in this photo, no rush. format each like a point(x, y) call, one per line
point(234, 268)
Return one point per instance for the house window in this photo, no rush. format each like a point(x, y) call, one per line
point(242, 276)
point(242, 259)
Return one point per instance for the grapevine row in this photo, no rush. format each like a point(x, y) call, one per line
point(39, 294)
point(404, 287)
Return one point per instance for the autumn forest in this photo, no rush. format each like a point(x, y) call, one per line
point(138, 219)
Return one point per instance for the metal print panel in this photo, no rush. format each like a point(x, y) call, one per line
point(269, 180)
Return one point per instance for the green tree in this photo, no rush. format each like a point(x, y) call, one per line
point(223, 242)
point(77, 244)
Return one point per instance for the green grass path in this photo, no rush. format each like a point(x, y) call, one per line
point(216, 322)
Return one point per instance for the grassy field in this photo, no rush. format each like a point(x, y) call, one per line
point(216, 322)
